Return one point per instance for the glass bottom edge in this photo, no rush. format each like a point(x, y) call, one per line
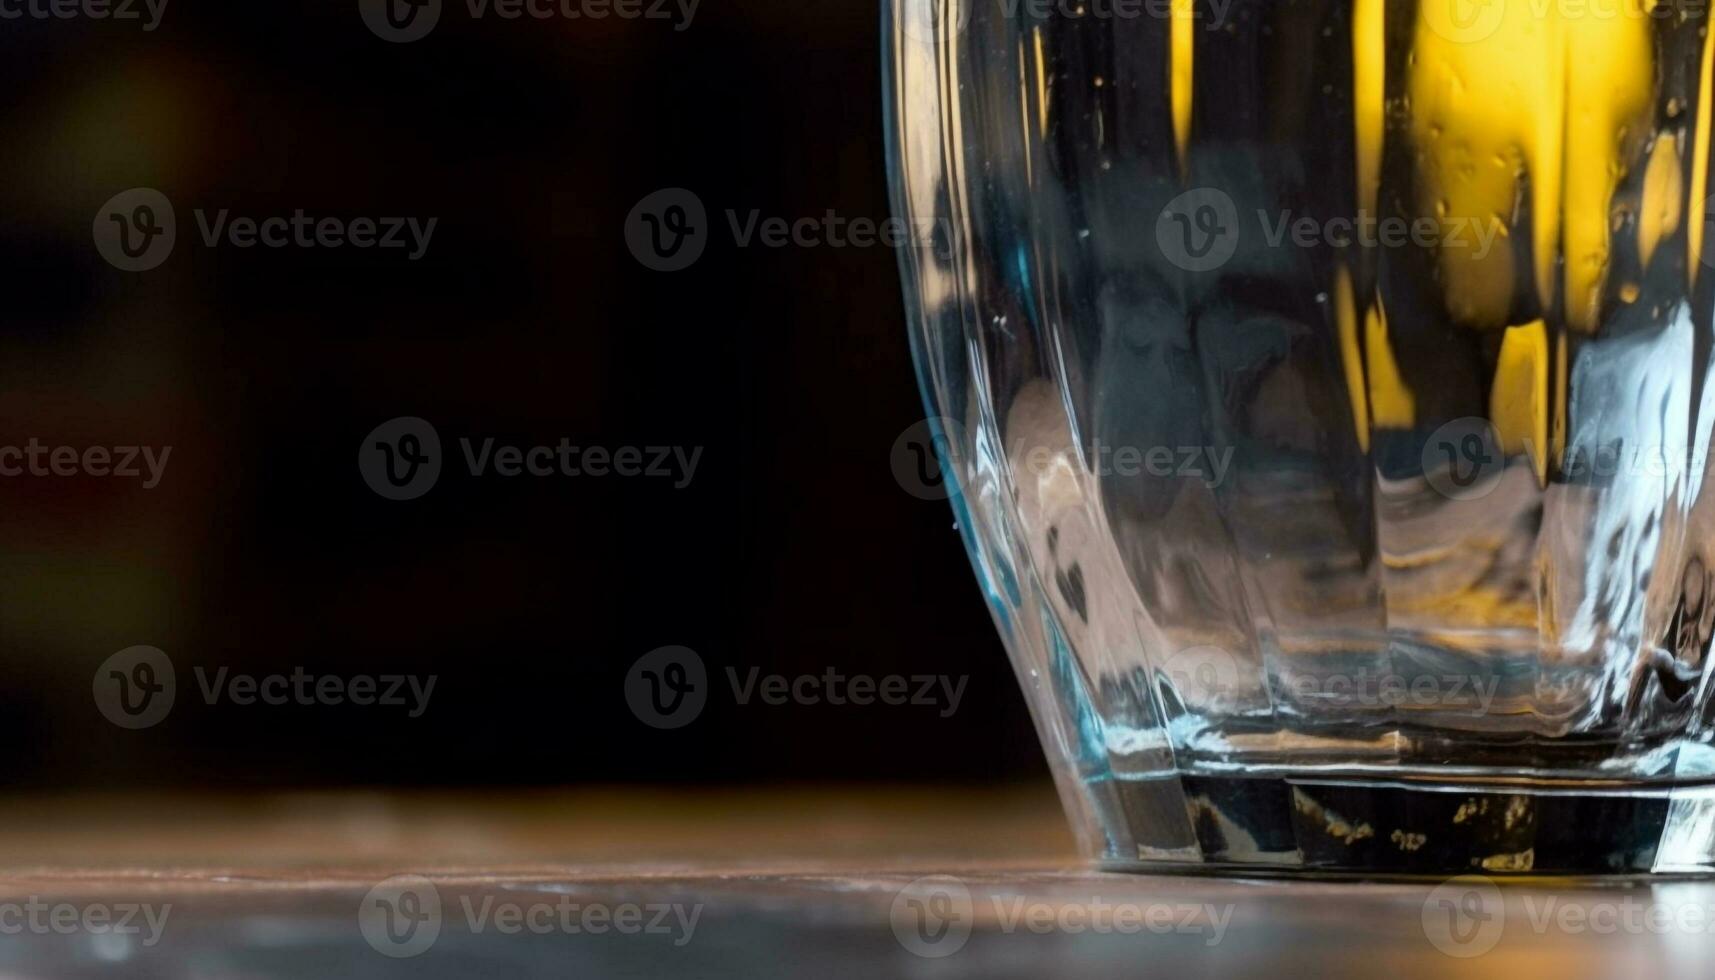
point(1317, 826)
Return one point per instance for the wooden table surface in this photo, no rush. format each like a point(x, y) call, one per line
point(826, 884)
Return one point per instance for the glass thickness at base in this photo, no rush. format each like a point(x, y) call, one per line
point(1286, 825)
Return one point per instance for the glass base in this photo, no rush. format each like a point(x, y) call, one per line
point(1320, 825)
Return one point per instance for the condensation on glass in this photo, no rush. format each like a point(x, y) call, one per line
point(1327, 384)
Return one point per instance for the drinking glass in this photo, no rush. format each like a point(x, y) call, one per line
point(1326, 385)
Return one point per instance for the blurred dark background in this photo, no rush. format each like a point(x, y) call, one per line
point(528, 320)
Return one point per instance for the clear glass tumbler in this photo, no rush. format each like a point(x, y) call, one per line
point(1327, 387)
